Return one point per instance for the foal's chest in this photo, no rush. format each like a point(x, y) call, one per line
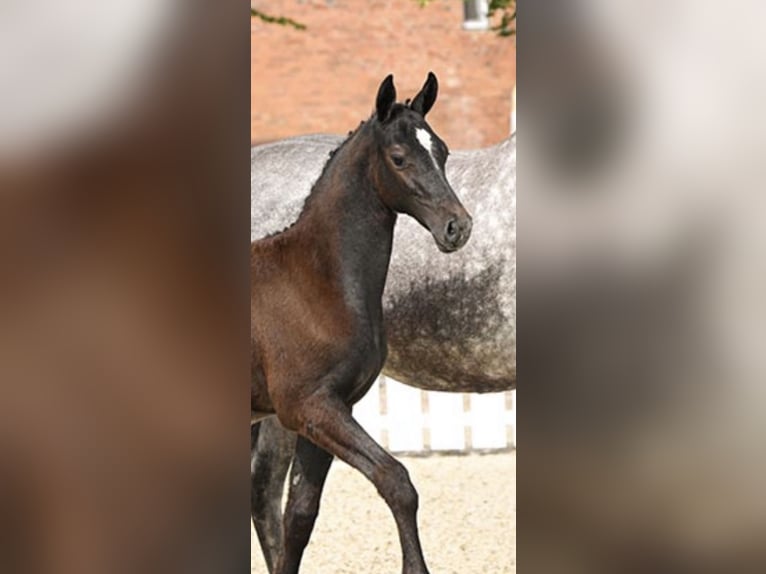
point(371, 355)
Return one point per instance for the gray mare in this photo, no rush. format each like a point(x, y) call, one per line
point(450, 320)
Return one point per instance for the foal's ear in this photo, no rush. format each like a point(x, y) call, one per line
point(425, 99)
point(386, 98)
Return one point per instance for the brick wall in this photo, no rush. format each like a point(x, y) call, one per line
point(324, 79)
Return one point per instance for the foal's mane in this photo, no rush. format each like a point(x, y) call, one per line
point(396, 109)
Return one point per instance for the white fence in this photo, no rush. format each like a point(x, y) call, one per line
point(405, 419)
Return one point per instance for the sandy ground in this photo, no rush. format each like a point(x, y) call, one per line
point(467, 519)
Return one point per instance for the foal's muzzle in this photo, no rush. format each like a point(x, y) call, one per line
point(456, 233)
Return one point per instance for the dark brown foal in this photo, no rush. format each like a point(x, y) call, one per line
point(316, 316)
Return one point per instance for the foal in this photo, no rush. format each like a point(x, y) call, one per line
point(316, 314)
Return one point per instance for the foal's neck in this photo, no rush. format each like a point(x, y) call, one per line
point(354, 224)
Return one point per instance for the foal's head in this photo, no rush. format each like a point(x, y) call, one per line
point(411, 171)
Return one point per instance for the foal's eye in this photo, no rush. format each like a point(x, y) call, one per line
point(398, 160)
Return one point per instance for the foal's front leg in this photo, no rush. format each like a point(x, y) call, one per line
point(330, 425)
point(310, 466)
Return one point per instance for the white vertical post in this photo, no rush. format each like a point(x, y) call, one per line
point(513, 111)
point(405, 418)
point(488, 421)
point(445, 417)
point(513, 415)
point(367, 411)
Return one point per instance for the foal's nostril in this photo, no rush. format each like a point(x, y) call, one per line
point(452, 231)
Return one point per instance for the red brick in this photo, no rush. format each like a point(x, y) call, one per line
point(324, 79)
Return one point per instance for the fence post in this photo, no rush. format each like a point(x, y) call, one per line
point(404, 417)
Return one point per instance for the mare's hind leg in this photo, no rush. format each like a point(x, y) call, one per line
point(310, 466)
point(271, 450)
point(331, 426)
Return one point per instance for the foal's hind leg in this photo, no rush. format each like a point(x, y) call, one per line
point(271, 452)
point(310, 466)
point(331, 426)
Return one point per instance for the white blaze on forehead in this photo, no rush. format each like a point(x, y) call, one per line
point(424, 138)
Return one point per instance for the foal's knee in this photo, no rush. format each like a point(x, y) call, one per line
point(397, 488)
